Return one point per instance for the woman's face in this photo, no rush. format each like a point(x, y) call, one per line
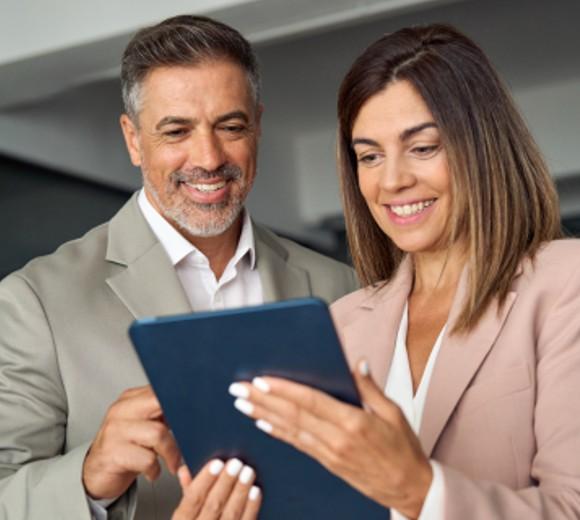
point(402, 168)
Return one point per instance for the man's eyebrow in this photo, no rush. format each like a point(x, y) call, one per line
point(173, 120)
point(235, 114)
point(409, 132)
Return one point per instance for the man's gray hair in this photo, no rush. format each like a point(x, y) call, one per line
point(181, 41)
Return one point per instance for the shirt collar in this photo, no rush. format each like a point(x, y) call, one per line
point(178, 247)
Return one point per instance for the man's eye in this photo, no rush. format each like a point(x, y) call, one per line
point(234, 129)
point(177, 132)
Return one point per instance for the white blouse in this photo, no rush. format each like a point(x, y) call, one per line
point(399, 388)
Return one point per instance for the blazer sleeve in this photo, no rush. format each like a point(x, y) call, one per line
point(556, 463)
point(38, 480)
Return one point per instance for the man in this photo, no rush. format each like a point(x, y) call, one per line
point(78, 424)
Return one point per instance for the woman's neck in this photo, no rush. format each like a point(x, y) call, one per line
point(439, 271)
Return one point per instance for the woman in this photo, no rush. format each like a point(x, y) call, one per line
point(469, 324)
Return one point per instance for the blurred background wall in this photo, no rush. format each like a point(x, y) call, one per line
point(63, 165)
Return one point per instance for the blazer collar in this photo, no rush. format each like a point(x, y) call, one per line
point(382, 310)
point(459, 358)
point(149, 285)
point(281, 280)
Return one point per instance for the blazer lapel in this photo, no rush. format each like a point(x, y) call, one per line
point(459, 359)
point(280, 280)
point(148, 285)
point(374, 336)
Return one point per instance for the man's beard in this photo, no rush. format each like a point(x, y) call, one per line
point(200, 220)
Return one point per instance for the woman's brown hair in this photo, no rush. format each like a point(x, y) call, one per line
point(504, 205)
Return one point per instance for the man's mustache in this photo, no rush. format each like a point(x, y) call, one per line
point(226, 172)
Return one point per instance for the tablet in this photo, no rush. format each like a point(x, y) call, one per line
point(191, 360)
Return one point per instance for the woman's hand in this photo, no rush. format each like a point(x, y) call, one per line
point(220, 492)
point(374, 450)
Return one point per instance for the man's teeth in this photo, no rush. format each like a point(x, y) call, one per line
point(207, 187)
point(411, 209)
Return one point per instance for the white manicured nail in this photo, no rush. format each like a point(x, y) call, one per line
point(216, 466)
point(363, 368)
point(244, 406)
point(254, 493)
point(234, 466)
point(265, 426)
point(246, 474)
point(261, 384)
point(239, 390)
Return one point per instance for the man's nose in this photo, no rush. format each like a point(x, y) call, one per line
point(208, 152)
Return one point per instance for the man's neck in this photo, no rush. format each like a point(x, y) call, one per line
point(219, 249)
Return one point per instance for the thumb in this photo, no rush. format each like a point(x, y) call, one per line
point(372, 396)
point(184, 477)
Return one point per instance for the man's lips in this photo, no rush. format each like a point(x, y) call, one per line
point(207, 187)
point(207, 192)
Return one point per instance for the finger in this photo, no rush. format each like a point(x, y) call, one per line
point(373, 397)
point(137, 403)
point(236, 503)
point(184, 477)
point(136, 459)
point(295, 423)
point(156, 436)
point(196, 491)
point(275, 394)
point(253, 504)
point(220, 492)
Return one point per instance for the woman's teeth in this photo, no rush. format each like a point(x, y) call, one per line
point(207, 187)
point(408, 210)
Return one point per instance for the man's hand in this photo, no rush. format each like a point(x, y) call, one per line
point(129, 442)
point(218, 492)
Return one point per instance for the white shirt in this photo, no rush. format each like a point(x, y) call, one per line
point(399, 388)
point(240, 283)
point(238, 286)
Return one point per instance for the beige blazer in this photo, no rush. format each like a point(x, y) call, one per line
point(502, 413)
point(65, 355)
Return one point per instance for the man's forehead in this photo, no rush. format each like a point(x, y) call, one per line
point(220, 87)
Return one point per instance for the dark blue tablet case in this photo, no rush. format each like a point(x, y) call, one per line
point(192, 359)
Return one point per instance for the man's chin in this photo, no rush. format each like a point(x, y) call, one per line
point(204, 226)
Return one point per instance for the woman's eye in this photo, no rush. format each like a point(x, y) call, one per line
point(425, 150)
point(368, 159)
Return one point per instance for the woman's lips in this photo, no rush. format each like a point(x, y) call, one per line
point(410, 212)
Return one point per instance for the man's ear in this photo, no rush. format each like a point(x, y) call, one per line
point(131, 135)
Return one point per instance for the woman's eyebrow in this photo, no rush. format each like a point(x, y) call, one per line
point(409, 132)
point(363, 140)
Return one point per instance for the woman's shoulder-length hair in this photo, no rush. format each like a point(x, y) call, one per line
point(505, 203)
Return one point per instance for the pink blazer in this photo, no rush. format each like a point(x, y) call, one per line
point(502, 413)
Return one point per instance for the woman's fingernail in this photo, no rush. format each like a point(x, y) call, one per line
point(239, 390)
point(244, 406)
point(234, 466)
point(363, 367)
point(254, 493)
point(216, 466)
point(246, 474)
point(265, 426)
point(261, 384)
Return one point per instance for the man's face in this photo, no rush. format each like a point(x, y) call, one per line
point(196, 143)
